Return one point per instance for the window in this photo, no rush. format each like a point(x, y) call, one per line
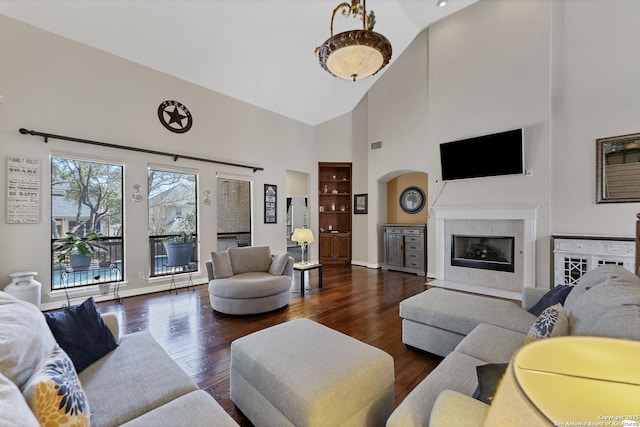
point(172, 215)
point(234, 213)
point(86, 198)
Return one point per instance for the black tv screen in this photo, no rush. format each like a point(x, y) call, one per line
point(488, 155)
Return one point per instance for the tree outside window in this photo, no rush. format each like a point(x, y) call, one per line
point(86, 197)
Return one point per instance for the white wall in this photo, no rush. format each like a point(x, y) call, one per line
point(359, 185)
point(566, 71)
point(596, 95)
point(397, 107)
point(55, 85)
point(489, 71)
point(482, 70)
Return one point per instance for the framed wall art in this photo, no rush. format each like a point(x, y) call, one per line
point(270, 204)
point(618, 169)
point(360, 203)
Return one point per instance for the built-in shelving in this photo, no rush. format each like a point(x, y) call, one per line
point(335, 207)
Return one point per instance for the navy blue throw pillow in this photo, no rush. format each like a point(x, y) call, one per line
point(81, 333)
point(557, 295)
point(489, 377)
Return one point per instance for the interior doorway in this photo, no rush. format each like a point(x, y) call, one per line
point(297, 209)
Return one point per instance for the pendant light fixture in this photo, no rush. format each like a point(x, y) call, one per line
point(355, 54)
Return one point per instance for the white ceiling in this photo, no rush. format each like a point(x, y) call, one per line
point(257, 51)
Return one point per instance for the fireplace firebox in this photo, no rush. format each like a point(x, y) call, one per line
point(483, 252)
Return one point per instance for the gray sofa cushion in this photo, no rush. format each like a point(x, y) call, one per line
point(25, 339)
point(460, 313)
point(249, 285)
point(133, 379)
point(250, 258)
point(221, 265)
point(595, 277)
point(611, 309)
point(456, 372)
point(198, 407)
point(278, 263)
point(14, 410)
point(491, 343)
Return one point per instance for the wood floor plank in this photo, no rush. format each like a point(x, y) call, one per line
point(357, 301)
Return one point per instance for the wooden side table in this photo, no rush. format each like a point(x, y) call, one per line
point(307, 267)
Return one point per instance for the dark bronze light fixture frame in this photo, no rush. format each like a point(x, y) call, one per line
point(355, 38)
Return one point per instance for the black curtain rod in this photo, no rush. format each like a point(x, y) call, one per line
point(175, 157)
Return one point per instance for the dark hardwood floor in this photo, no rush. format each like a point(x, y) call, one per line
point(357, 301)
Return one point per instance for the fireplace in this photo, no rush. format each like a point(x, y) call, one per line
point(483, 221)
point(483, 252)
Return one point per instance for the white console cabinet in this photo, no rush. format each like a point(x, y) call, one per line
point(573, 256)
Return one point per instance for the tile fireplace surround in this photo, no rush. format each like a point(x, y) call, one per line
point(518, 221)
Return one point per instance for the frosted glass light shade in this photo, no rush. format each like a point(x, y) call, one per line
point(356, 54)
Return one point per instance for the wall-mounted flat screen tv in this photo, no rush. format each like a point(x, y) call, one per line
point(489, 155)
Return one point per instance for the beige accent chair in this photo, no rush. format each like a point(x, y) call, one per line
point(249, 280)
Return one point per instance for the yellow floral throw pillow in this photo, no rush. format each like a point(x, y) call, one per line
point(55, 395)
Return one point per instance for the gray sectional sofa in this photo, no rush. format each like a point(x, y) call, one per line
point(470, 330)
point(136, 384)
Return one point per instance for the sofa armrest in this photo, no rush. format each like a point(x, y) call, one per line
point(111, 320)
point(453, 409)
point(530, 296)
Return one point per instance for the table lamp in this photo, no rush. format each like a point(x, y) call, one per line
point(303, 236)
point(573, 380)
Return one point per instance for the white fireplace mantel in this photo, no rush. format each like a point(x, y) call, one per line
point(525, 212)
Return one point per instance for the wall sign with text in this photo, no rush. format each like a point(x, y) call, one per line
point(23, 190)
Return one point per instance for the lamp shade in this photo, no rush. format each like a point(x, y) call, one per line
point(302, 235)
point(356, 54)
point(578, 379)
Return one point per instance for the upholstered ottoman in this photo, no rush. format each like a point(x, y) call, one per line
point(301, 373)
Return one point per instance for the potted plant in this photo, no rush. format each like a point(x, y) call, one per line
point(79, 250)
point(179, 249)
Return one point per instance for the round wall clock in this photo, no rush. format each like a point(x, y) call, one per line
point(175, 116)
point(412, 200)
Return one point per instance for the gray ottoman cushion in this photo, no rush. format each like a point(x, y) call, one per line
point(460, 313)
point(312, 375)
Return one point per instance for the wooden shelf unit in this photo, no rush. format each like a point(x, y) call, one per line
point(335, 208)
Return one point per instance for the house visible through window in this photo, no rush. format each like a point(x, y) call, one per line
point(234, 213)
point(86, 202)
point(173, 216)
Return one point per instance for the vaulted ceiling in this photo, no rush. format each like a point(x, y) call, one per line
point(257, 51)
